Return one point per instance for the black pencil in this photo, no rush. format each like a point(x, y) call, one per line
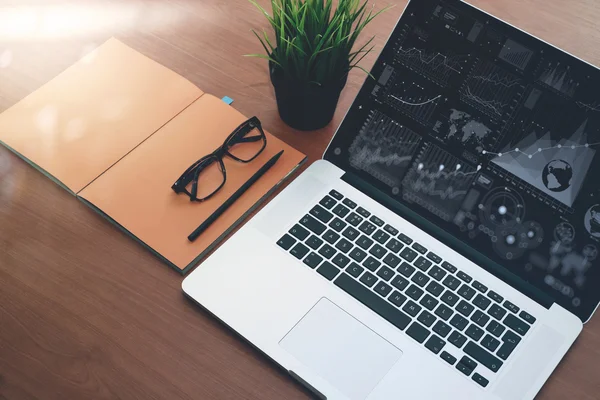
point(238, 193)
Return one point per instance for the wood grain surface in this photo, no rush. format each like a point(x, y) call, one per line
point(85, 312)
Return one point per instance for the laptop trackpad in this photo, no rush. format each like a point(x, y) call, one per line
point(341, 350)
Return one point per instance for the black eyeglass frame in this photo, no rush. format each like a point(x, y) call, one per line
point(236, 137)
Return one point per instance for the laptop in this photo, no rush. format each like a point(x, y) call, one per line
point(446, 246)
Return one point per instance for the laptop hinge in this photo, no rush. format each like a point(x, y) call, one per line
point(449, 240)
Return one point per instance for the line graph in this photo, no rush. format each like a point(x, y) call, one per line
point(437, 66)
point(589, 107)
point(540, 149)
point(384, 149)
point(438, 181)
point(418, 100)
point(491, 90)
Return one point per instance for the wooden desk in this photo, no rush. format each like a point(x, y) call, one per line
point(86, 313)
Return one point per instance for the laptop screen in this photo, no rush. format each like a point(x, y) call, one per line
point(492, 136)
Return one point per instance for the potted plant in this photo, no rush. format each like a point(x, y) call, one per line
point(312, 54)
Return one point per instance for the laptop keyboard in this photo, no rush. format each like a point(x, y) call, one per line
point(413, 288)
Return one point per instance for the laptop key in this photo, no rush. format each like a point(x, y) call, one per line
point(341, 210)
point(414, 292)
point(426, 318)
point(385, 273)
point(495, 296)
point(351, 233)
point(511, 307)
point(299, 251)
point(312, 260)
point(357, 254)
point(377, 251)
point(459, 322)
point(509, 342)
point(421, 249)
point(530, 319)
point(381, 236)
point(286, 242)
point(362, 212)
point(377, 221)
point(406, 269)
point(383, 288)
point(464, 308)
point(391, 260)
point(516, 324)
point(408, 254)
point(480, 380)
point(336, 195)
point(354, 269)
point(373, 301)
point(399, 282)
point(457, 339)
point(404, 238)
point(497, 312)
point(474, 332)
point(367, 228)
point(314, 242)
point(480, 318)
point(434, 288)
point(397, 298)
point(411, 308)
point(434, 257)
point(420, 279)
point(312, 224)
point(422, 263)
point(340, 260)
point(349, 203)
point(337, 224)
point(481, 301)
point(449, 358)
point(354, 219)
point(451, 282)
point(437, 273)
point(327, 251)
point(428, 302)
point(364, 242)
point(467, 362)
point(321, 214)
point(479, 286)
point(328, 270)
point(449, 298)
point(449, 267)
point(444, 312)
point(464, 369)
point(371, 264)
point(391, 230)
point(327, 202)
point(490, 343)
point(331, 237)
point(343, 245)
point(464, 276)
point(442, 329)
point(435, 344)
point(466, 291)
point(394, 245)
point(417, 332)
point(495, 328)
point(299, 232)
point(483, 356)
point(368, 279)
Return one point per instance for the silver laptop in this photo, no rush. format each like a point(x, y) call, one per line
point(446, 247)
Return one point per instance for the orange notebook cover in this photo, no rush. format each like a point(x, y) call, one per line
point(117, 129)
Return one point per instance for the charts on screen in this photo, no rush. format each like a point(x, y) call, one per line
point(384, 149)
point(438, 181)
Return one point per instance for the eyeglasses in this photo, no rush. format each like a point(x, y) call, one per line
point(206, 176)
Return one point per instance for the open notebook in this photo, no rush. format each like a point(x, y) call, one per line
point(117, 129)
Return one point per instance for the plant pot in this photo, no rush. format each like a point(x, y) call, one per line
point(305, 106)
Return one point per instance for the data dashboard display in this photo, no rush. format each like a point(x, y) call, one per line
point(490, 135)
